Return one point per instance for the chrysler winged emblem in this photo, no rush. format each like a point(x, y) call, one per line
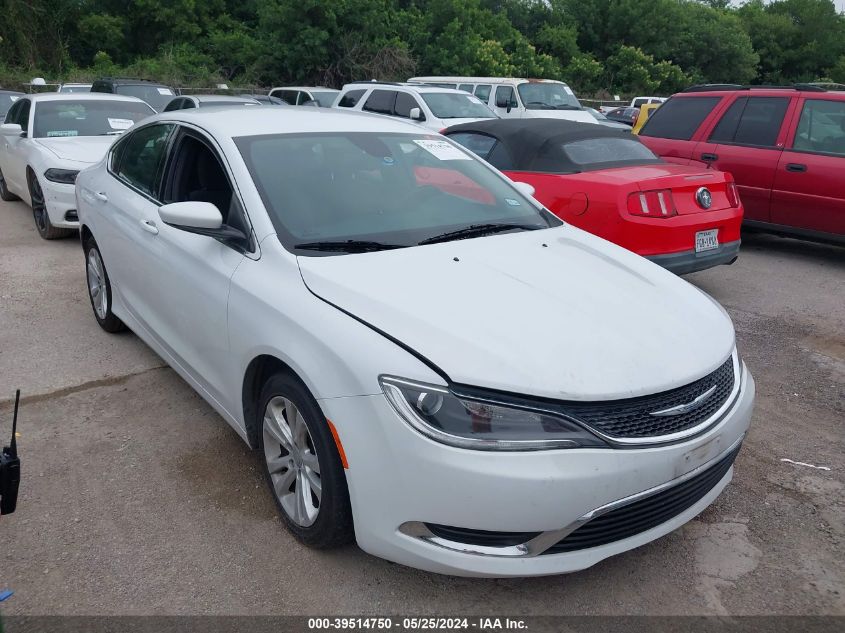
point(686, 408)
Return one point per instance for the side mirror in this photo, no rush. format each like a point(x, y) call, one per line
point(194, 215)
point(416, 114)
point(510, 105)
point(202, 218)
point(524, 188)
point(10, 129)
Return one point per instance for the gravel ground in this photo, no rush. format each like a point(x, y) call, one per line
point(138, 499)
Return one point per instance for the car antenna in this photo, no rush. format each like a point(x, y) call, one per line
point(10, 467)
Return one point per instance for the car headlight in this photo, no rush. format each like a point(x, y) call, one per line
point(446, 417)
point(63, 176)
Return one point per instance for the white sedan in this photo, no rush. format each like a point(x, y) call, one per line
point(47, 139)
point(415, 347)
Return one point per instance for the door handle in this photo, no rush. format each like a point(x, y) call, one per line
point(709, 158)
point(796, 167)
point(99, 195)
point(149, 226)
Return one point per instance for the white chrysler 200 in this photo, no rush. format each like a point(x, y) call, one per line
point(424, 357)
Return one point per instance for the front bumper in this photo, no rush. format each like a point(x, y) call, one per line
point(399, 479)
point(689, 261)
point(61, 203)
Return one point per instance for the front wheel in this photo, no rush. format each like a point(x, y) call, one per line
point(302, 465)
point(99, 289)
point(39, 212)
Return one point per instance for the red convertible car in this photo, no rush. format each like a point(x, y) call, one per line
point(607, 182)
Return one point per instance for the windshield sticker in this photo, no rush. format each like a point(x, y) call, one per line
point(513, 203)
point(568, 90)
point(13, 98)
point(63, 133)
point(165, 91)
point(120, 124)
point(442, 150)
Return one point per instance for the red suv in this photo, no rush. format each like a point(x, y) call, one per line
point(784, 146)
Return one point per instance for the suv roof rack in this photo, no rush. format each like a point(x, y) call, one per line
point(378, 83)
point(152, 81)
point(726, 87)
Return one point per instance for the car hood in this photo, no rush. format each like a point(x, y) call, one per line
point(569, 115)
point(82, 149)
point(556, 313)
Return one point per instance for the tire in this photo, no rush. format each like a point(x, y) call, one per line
point(5, 194)
point(99, 289)
point(39, 212)
point(289, 467)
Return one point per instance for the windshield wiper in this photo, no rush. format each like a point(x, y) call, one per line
point(567, 106)
point(114, 133)
point(477, 230)
point(347, 246)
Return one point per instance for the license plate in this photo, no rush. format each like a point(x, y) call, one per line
point(706, 240)
point(699, 456)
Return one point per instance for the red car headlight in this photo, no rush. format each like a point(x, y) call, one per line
point(652, 204)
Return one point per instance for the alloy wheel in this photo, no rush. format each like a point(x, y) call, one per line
point(292, 461)
point(97, 284)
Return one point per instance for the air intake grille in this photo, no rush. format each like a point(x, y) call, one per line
point(647, 513)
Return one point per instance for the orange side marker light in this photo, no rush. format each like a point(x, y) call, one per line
point(337, 443)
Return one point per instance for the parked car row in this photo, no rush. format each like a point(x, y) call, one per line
point(357, 295)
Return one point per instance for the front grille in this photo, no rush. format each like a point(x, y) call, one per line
point(631, 418)
point(480, 537)
point(645, 514)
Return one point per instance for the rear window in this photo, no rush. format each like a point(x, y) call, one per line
point(325, 97)
point(592, 153)
point(351, 98)
point(380, 101)
point(157, 96)
point(679, 117)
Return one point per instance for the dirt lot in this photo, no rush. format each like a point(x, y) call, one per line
point(138, 499)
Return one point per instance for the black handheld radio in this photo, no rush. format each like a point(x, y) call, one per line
point(10, 467)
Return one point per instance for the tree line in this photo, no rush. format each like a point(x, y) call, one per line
point(613, 46)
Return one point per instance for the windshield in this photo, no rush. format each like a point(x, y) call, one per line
point(81, 88)
point(548, 96)
point(454, 105)
point(156, 96)
point(325, 98)
point(395, 189)
point(86, 118)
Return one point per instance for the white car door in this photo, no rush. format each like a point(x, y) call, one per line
point(125, 198)
point(16, 150)
point(182, 287)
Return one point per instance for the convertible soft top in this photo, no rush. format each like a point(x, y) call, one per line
point(537, 144)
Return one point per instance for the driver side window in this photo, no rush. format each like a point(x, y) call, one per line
point(196, 174)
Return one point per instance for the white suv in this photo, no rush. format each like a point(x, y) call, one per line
point(430, 106)
point(515, 98)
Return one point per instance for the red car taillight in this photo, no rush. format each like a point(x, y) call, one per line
point(652, 204)
point(733, 194)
